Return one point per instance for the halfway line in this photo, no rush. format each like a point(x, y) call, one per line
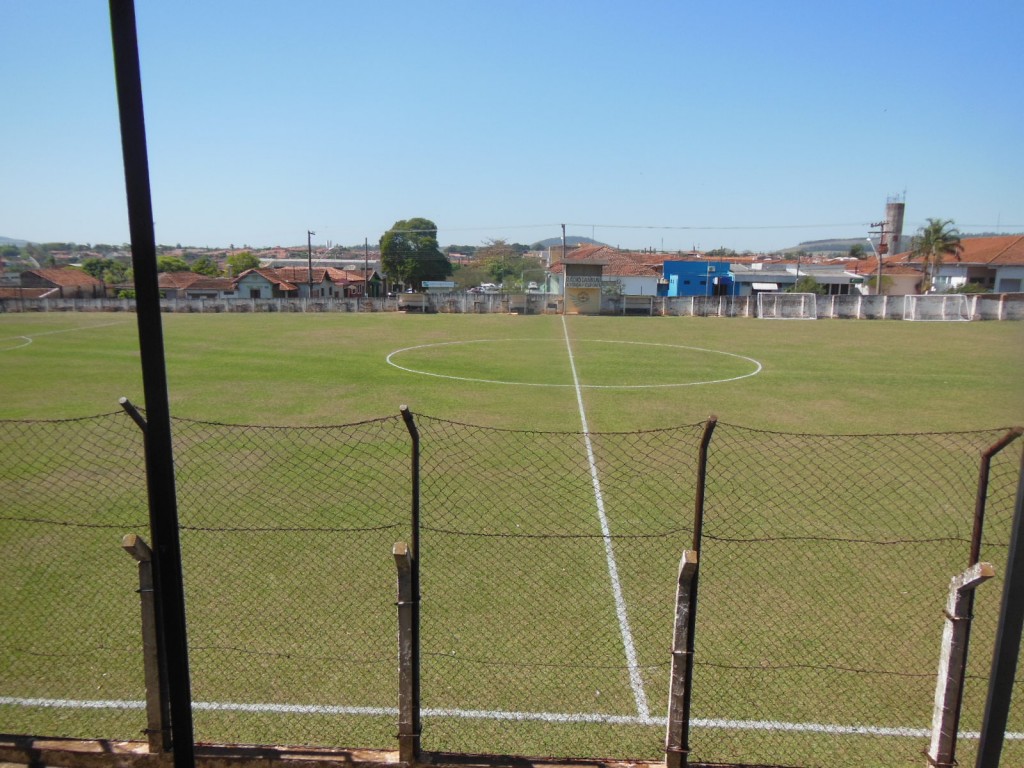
point(609, 552)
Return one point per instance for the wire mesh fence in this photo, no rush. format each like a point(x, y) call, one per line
point(824, 571)
point(69, 615)
point(548, 565)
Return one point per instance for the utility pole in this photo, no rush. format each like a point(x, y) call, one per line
point(366, 266)
point(883, 248)
point(309, 257)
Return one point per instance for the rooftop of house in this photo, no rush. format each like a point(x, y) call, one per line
point(67, 277)
point(177, 280)
point(1004, 250)
point(616, 263)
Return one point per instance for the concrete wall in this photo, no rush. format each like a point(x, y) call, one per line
point(1009, 306)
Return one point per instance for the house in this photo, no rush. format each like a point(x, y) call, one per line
point(772, 277)
point(211, 288)
point(64, 283)
point(628, 273)
point(897, 279)
point(264, 284)
point(994, 263)
point(323, 282)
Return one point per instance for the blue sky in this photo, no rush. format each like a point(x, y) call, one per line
point(750, 125)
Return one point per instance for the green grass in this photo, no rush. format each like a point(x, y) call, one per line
point(518, 614)
point(284, 369)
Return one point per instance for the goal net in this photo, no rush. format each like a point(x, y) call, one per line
point(940, 307)
point(787, 306)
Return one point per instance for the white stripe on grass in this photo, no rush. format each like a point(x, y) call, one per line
point(28, 339)
point(635, 679)
point(488, 714)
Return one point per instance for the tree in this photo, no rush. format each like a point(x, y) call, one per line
point(807, 284)
point(970, 288)
point(241, 261)
point(110, 271)
point(204, 265)
point(409, 253)
point(501, 260)
point(171, 264)
point(934, 241)
point(719, 253)
point(886, 283)
point(857, 251)
point(118, 272)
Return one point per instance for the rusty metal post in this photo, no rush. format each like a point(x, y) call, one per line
point(702, 471)
point(982, 494)
point(953, 664)
point(157, 700)
point(1006, 653)
point(677, 733)
point(408, 659)
point(980, 503)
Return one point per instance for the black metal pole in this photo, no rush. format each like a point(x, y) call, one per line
point(414, 552)
point(163, 511)
point(1007, 646)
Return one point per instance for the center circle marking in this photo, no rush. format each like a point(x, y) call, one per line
point(390, 359)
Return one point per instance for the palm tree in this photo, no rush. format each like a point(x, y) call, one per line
point(934, 241)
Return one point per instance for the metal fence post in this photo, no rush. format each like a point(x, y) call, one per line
point(677, 732)
point(1006, 653)
point(953, 663)
point(157, 700)
point(408, 659)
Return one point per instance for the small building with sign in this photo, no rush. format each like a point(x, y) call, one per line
point(594, 275)
point(583, 283)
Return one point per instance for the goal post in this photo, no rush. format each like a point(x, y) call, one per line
point(940, 307)
point(787, 306)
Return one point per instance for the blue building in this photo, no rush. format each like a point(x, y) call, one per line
point(697, 278)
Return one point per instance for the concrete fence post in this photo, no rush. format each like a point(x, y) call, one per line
point(408, 659)
point(952, 664)
point(157, 698)
point(677, 732)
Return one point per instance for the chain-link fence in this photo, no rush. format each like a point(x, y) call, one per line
point(547, 572)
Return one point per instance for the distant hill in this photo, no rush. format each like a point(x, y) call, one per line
point(839, 245)
point(572, 240)
point(12, 241)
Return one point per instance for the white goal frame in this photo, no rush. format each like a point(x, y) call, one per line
point(936, 307)
point(787, 306)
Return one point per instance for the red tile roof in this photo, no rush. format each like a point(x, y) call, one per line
point(616, 263)
point(272, 276)
point(994, 251)
point(177, 279)
point(23, 293)
point(67, 277)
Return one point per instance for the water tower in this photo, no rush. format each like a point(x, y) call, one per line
point(893, 237)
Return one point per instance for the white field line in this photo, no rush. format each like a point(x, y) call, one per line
point(635, 680)
point(390, 360)
point(28, 339)
point(488, 714)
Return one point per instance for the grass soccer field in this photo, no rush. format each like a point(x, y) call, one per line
point(512, 371)
point(520, 501)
